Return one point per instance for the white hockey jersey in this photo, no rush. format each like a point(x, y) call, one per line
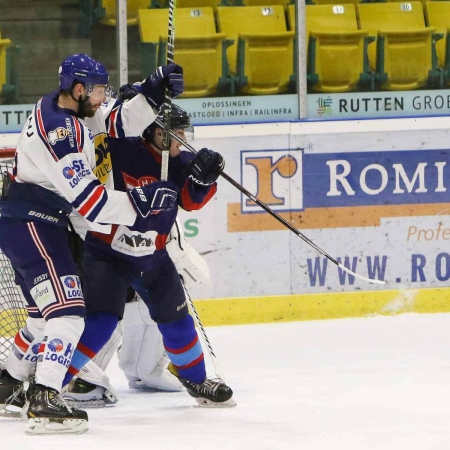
point(63, 154)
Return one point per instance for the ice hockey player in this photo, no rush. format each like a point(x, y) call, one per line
point(53, 183)
point(114, 261)
point(142, 356)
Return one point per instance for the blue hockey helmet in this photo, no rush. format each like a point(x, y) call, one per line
point(82, 68)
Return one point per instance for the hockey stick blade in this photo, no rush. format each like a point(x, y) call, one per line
point(276, 216)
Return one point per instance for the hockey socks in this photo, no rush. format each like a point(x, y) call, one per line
point(24, 352)
point(98, 329)
point(184, 349)
point(61, 335)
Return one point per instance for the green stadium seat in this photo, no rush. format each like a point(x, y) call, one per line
point(262, 55)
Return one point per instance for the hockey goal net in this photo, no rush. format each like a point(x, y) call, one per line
point(12, 311)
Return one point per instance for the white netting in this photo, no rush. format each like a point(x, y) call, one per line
point(12, 312)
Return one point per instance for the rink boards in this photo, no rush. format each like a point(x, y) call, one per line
point(373, 194)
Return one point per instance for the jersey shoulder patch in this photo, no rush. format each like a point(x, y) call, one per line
point(61, 132)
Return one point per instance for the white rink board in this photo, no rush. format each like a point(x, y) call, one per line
point(397, 219)
point(411, 250)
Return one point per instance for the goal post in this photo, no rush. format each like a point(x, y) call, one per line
point(12, 309)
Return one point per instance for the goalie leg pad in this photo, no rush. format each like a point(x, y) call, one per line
point(91, 389)
point(142, 356)
point(103, 357)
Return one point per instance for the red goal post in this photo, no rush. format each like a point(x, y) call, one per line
point(7, 153)
point(12, 311)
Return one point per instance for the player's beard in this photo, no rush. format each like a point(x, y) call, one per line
point(85, 108)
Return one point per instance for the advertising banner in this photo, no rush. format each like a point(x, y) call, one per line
point(13, 117)
point(378, 104)
point(376, 200)
point(203, 111)
point(383, 211)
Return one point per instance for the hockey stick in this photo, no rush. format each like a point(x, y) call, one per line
point(277, 216)
point(199, 324)
point(167, 108)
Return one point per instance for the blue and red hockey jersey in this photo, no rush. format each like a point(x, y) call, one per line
point(136, 163)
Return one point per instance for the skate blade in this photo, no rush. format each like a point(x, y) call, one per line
point(88, 404)
point(38, 426)
point(230, 403)
point(11, 413)
point(150, 389)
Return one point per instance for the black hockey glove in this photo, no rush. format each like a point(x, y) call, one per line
point(205, 168)
point(153, 198)
point(153, 87)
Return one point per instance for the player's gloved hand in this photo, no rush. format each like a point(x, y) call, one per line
point(153, 198)
point(128, 91)
point(205, 168)
point(153, 87)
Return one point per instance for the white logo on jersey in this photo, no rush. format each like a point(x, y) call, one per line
point(134, 243)
point(57, 135)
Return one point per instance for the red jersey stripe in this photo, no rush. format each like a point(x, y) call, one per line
point(91, 200)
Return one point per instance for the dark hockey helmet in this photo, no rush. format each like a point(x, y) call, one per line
point(179, 119)
point(82, 68)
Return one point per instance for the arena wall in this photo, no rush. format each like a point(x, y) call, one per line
point(373, 194)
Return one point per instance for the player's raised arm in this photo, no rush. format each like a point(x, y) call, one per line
point(130, 118)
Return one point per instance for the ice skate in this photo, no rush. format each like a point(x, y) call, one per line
point(212, 393)
point(82, 394)
point(12, 395)
point(49, 414)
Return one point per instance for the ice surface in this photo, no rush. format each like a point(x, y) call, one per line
point(353, 384)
